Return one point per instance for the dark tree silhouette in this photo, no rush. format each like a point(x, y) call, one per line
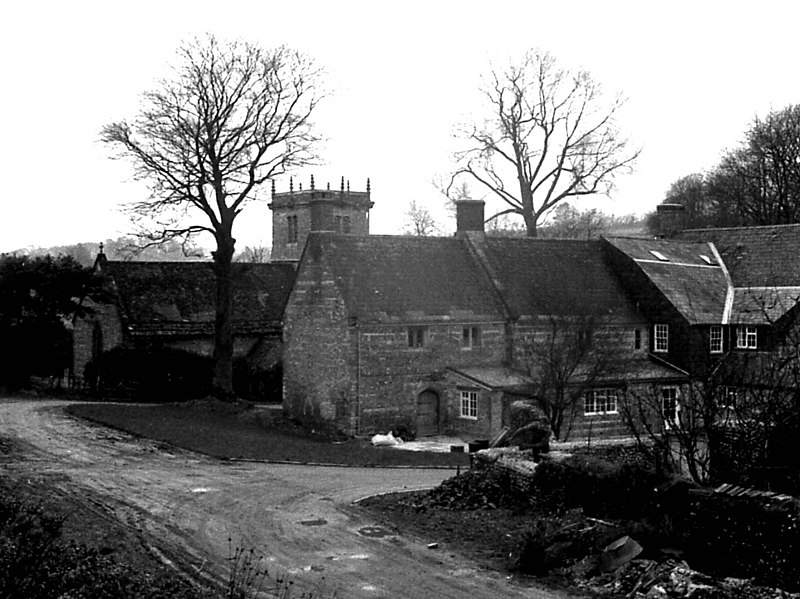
point(231, 118)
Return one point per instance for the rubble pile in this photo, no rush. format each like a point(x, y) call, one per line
point(476, 489)
point(649, 579)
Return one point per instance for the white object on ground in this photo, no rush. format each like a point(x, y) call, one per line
point(386, 440)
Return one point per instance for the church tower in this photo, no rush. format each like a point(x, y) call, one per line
point(296, 213)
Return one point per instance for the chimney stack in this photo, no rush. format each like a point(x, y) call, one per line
point(671, 218)
point(469, 216)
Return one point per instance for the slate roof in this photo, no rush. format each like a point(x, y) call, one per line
point(178, 298)
point(695, 287)
point(766, 256)
point(495, 377)
point(401, 278)
point(754, 305)
point(549, 276)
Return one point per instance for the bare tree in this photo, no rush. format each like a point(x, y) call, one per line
point(257, 254)
point(747, 400)
point(550, 136)
point(420, 221)
point(232, 117)
point(672, 424)
point(565, 360)
point(569, 223)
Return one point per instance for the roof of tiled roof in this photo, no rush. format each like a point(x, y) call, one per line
point(494, 377)
point(756, 256)
point(550, 276)
point(179, 298)
point(759, 305)
point(694, 287)
point(398, 278)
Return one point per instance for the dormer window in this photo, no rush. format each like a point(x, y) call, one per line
point(659, 255)
point(715, 339)
point(661, 338)
point(746, 337)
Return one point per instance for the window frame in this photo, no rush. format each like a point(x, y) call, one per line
point(468, 404)
point(591, 399)
point(671, 420)
point(470, 337)
point(416, 336)
point(715, 348)
point(291, 229)
point(664, 328)
point(728, 397)
point(744, 333)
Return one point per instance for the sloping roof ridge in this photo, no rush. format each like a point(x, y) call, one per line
point(198, 261)
point(542, 240)
point(659, 360)
point(743, 228)
point(478, 256)
point(392, 236)
point(654, 239)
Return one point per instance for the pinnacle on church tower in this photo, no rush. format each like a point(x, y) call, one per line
point(296, 214)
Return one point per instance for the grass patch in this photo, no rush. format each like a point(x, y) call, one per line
point(220, 431)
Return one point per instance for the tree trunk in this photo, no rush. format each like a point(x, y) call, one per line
point(222, 384)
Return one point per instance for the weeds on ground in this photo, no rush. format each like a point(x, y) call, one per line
point(35, 561)
point(249, 577)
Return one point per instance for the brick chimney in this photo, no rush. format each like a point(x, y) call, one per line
point(469, 216)
point(671, 218)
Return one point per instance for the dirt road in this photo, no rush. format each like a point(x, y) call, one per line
point(186, 506)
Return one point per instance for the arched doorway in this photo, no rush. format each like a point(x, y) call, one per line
point(427, 413)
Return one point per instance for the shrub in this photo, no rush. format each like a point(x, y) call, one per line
point(154, 372)
point(600, 488)
point(743, 537)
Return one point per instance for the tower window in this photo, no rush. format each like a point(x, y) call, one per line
point(346, 225)
point(291, 229)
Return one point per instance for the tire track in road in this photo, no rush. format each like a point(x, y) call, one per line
point(185, 507)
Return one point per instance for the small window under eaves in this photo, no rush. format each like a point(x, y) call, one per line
point(706, 259)
point(659, 255)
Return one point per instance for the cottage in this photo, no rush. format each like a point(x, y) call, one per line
point(166, 310)
point(438, 335)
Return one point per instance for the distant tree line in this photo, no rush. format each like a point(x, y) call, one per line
point(134, 248)
point(755, 183)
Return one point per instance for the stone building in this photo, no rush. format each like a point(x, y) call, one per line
point(296, 213)
point(163, 309)
point(434, 334)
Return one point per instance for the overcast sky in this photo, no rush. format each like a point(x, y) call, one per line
point(402, 75)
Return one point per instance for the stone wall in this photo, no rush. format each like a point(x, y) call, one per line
point(392, 374)
point(107, 317)
point(319, 377)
